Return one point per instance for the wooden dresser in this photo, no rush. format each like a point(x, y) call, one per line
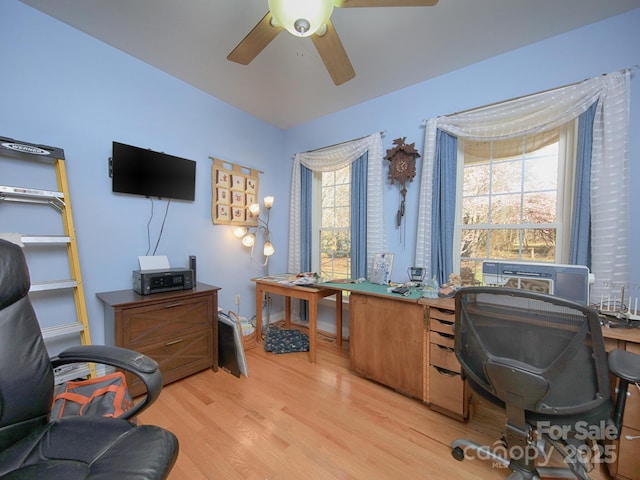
point(178, 329)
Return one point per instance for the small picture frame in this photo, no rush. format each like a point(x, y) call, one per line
point(238, 199)
point(252, 186)
point(223, 212)
point(238, 182)
point(223, 195)
point(238, 215)
point(223, 179)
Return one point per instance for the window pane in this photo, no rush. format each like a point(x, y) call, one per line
point(505, 209)
point(510, 194)
point(474, 243)
point(343, 175)
point(328, 197)
point(538, 244)
point(342, 217)
point(504, 243)
point(506, 177)
point(328, 218)
point(540, 173)
point(335, 254)
point(475, 210)
point(342, 195)
point(476, 180)
point(335, 237)
point(328, 178)
point(539, 207)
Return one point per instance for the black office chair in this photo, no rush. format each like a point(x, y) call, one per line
point(542, 359)
point(33, 447)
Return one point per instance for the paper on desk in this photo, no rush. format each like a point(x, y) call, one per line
point(154, 262)
point(306, 278)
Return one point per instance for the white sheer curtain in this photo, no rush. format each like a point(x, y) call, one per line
point(541, 112)
point(333, 158)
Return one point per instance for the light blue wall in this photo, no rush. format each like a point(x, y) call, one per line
point(63, 88)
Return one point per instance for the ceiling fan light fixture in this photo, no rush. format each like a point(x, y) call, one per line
point(301, 18)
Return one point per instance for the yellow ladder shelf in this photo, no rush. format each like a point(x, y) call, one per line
point(60, 200)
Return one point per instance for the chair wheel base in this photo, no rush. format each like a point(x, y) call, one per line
point(457, 453)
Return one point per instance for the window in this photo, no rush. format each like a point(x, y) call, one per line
point(512, 204)
point(332, 228)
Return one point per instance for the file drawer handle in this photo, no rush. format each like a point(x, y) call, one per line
point(442, 347)
point(445, 372)
point(179, 304)
point(446, 335)
point(174, 342)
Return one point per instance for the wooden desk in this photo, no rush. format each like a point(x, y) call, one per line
point(387, 336)
point(312, 294)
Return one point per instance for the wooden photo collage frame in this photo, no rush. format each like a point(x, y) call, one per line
point(234, 188)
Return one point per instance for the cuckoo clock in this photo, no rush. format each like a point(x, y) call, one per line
point(402, 168)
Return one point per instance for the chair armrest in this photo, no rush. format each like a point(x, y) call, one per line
point(140, 365)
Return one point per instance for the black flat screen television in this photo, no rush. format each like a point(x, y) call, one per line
point(138, 171)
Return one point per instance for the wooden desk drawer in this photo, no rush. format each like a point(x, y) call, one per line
point(446, 316)
point(164, 321)
point(178, 357)
point(631, 416)
point(446, 391)
point(443, 357)
point(632, 408)
point(436, 325)
point(444, 339)
point(628, 458)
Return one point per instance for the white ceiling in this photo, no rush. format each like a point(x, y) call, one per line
point(287, 84)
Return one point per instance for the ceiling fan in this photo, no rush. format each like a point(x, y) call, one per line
point(304, 18)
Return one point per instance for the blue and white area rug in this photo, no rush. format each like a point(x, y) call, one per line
point(286, 341)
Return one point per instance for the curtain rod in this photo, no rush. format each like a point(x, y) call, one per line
point(382, 134)
point(424, 121)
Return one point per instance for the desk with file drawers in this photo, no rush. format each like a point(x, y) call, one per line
point(406, 343)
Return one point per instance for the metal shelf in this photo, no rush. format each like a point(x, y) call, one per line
point(69, 372)
point(32, 195)
point(61, 330)
point(45, 239)
point(52, 285)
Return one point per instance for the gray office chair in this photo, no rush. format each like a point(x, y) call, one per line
point(542, 359)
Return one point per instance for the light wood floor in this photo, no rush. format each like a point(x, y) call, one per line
point(290, 419)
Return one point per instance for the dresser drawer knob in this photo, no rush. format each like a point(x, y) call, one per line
point(174, 342)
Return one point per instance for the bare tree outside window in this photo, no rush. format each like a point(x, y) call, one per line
point(509, 202)
point(335, 229)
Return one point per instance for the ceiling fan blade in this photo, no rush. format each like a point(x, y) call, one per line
point(334, 55)
point(255, 41)
point(384, 3)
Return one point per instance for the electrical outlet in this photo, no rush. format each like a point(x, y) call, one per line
point(237, 299)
